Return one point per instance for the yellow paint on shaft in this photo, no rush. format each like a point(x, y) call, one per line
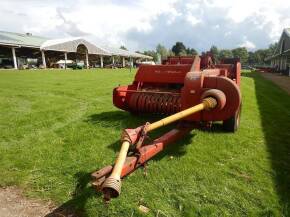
point(116, 173)
point(175, 117)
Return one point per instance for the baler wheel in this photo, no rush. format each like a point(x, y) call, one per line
point(232, 124)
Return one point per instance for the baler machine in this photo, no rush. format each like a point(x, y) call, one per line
point(192, 90)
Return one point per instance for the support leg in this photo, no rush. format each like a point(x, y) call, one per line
point(87, 60)
point(65, 59)
point(14, 58)
point(102, 61)
point(43, 59)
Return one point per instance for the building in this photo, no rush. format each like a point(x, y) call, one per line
point(18, 50)
point(281, 57)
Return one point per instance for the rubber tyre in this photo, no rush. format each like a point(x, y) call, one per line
point(232, 124)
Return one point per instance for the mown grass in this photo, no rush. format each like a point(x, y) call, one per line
point(56, 127)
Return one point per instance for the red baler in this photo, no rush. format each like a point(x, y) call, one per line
point(193, 90)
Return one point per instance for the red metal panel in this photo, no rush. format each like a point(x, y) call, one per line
point(191, 92)
point(233, 97)
point(162, 73)
point(191, 83)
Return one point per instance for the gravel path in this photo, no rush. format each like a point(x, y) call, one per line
point(14, 204)
point(280, 80)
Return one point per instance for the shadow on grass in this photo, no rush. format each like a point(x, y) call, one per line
point(274, 106)
point(177, 149)
point(76, 206)
point(119, 119)
point(122, 120)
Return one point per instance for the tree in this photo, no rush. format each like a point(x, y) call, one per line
point(123, 47)
point(254, 58)
point(272, 48)
point(191, 51)
point(151, 53)
point(262, 54)
point(162, 51)
point(178, 48)
point(215, 52)
point(183, 53)
point(241, 53)
point(170, 53)
point(225, 54)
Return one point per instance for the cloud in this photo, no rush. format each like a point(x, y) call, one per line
point(68, 26)
point(248, 44)
point(213, 29)
point(142, 24)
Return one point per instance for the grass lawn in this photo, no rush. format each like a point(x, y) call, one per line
point(56, 127)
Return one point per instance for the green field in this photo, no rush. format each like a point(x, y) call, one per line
point(56, 127)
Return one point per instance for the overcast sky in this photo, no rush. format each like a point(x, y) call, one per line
point(142, 24)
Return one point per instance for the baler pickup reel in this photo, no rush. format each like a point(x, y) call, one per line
point(199, 92)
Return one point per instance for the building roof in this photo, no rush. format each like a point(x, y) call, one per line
point(126, 53)
point(63, 45)
point(287, 31)
point(17, 39)
point(71, 45)
point(138, 55)
point(277, 51)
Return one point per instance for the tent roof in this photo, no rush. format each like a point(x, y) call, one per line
point(125, 53)
point(71, 45)
point(17, 39)
point(63, 45)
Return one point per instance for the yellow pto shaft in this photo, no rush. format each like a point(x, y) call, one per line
point(207, 103)
point(112, 185)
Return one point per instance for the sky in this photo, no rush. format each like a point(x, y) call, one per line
point(142, 24)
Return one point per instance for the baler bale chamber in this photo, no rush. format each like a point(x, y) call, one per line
point(179, 84)
point(192, 90)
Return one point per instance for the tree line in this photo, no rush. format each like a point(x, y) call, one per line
point(161, 52)
point(257, 57)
